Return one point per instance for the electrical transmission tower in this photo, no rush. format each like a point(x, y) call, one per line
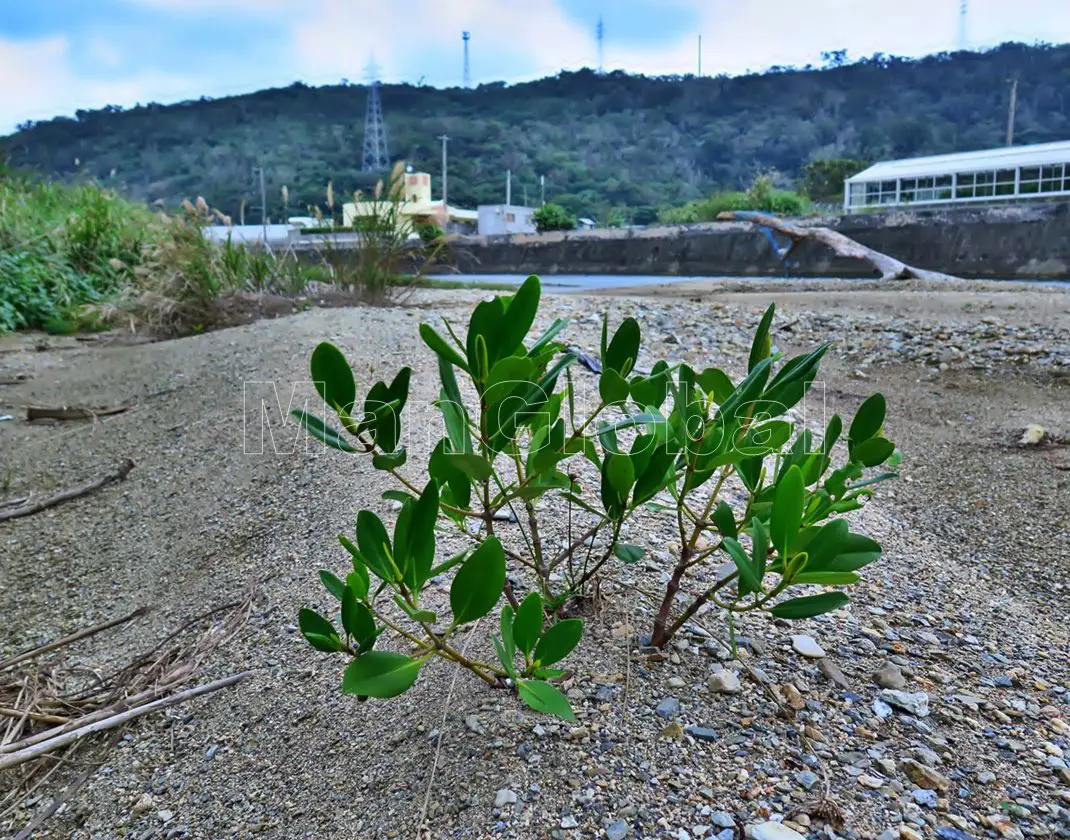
point(465, 36)
point(600, 33)
point(376, 156)
point(964, 11)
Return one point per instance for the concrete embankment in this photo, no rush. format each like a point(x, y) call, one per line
point(998, 243)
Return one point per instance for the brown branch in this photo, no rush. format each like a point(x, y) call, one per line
point(74, 637)
point(44, 747)
point(71, 412)
point(71, 493)
point(843, 246)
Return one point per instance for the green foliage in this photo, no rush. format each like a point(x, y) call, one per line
point(822, 180)
point(760, 197)
point(668, 441)
point(553, 217)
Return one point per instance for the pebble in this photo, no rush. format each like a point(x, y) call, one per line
point(569, 821)
point(702, 733)
point(774, 831)
point(504, 797)
point(889, 676)
point(807, 779)
point(924, 776)
point(617, 830)
point(925, 798)
point(832, 673)
point(724, 681)
point(722, 819)
point(669, 707)
point(948, 833)
point(144, 803)
point(916, 703)
point(807, 646)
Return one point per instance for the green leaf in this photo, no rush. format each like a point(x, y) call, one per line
point(321, 431)
point(621, 473)
point(443, 348)
point(446, 565)
point(623, 350)
point(519, 316)
point(762, 345)
point(872, 452)
point(725, 520)
point(357, 619)
point(452, 407)
point(319, 632)
point(414, 537)
point(527, 626)
point(558, 642)
point(748, 581)
point(374, 544)
point(390, 462)
point(810, 605)
point(333, 377)
point(715, 381)
point(398, 496)
point(651, 390)
point(612, 387)
point(358, 581)
point(868, 420)
point(331, 583)
point(787, 510)
point(832, 434)
point(759, 547)
point(477, 586)
point(505, 625)
point(504, 656)
point(629, 554)
point(827, 578)
point(380, 673)
point(551, 331)
point(472, 465)
point(543, 697)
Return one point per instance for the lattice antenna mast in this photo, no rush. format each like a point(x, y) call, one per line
point(600, 33)
point(466, 36)
point(964, 12)
point(376, 156)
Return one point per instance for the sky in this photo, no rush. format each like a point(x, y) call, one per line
point(57, 56)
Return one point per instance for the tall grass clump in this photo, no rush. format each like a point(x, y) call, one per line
point(62, 247)
point(386, 265)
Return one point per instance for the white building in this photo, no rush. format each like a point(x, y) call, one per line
point(496, 219)
point(1008, 174)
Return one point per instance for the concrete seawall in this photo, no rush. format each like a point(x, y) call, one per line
point(1000, 243)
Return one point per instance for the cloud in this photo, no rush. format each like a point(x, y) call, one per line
point(48, 84)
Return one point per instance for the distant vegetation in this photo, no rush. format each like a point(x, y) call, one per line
point(761, 196)
point(618, 148)
point(81, 256)
point(553, 217)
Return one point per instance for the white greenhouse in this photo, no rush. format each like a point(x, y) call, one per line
point(1008, 174)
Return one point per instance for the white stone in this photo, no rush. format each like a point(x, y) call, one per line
point(807, 646)
point(774, 831)
point(724, 681)
point(505, 797)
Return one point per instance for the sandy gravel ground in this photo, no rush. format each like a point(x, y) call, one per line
point(969, 604)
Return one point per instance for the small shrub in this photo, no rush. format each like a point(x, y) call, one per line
point(515, 436)
point(553, 217)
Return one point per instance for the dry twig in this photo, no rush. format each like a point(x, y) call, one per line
point(71, 412)
point(119, 474)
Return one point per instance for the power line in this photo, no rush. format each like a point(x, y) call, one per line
point(376, 156)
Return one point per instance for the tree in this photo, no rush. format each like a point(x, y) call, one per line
point(553, 217)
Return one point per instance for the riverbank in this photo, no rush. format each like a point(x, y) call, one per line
point(968, 605)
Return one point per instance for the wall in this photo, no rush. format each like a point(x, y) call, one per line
point(1019, 241)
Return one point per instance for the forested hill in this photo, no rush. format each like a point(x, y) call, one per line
point(601, 141)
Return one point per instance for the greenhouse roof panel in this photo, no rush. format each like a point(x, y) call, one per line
point(1007, 157)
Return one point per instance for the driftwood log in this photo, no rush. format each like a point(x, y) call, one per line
point(34, 506)
point(843, 246)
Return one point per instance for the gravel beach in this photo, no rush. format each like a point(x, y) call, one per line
point(936, 704)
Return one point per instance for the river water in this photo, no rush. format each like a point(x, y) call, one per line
point(598, 282)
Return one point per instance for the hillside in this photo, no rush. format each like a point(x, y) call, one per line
point(601, 141)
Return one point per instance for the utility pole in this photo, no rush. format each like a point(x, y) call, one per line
point(466, 36)
point(700, 56)
point(445, 139)
point(508, 187)
point(542, 188)
point(525, 195)
point(1013, 111)
point(376, 156)
point(259, 170)
point(600, 33)
point(964, 12)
